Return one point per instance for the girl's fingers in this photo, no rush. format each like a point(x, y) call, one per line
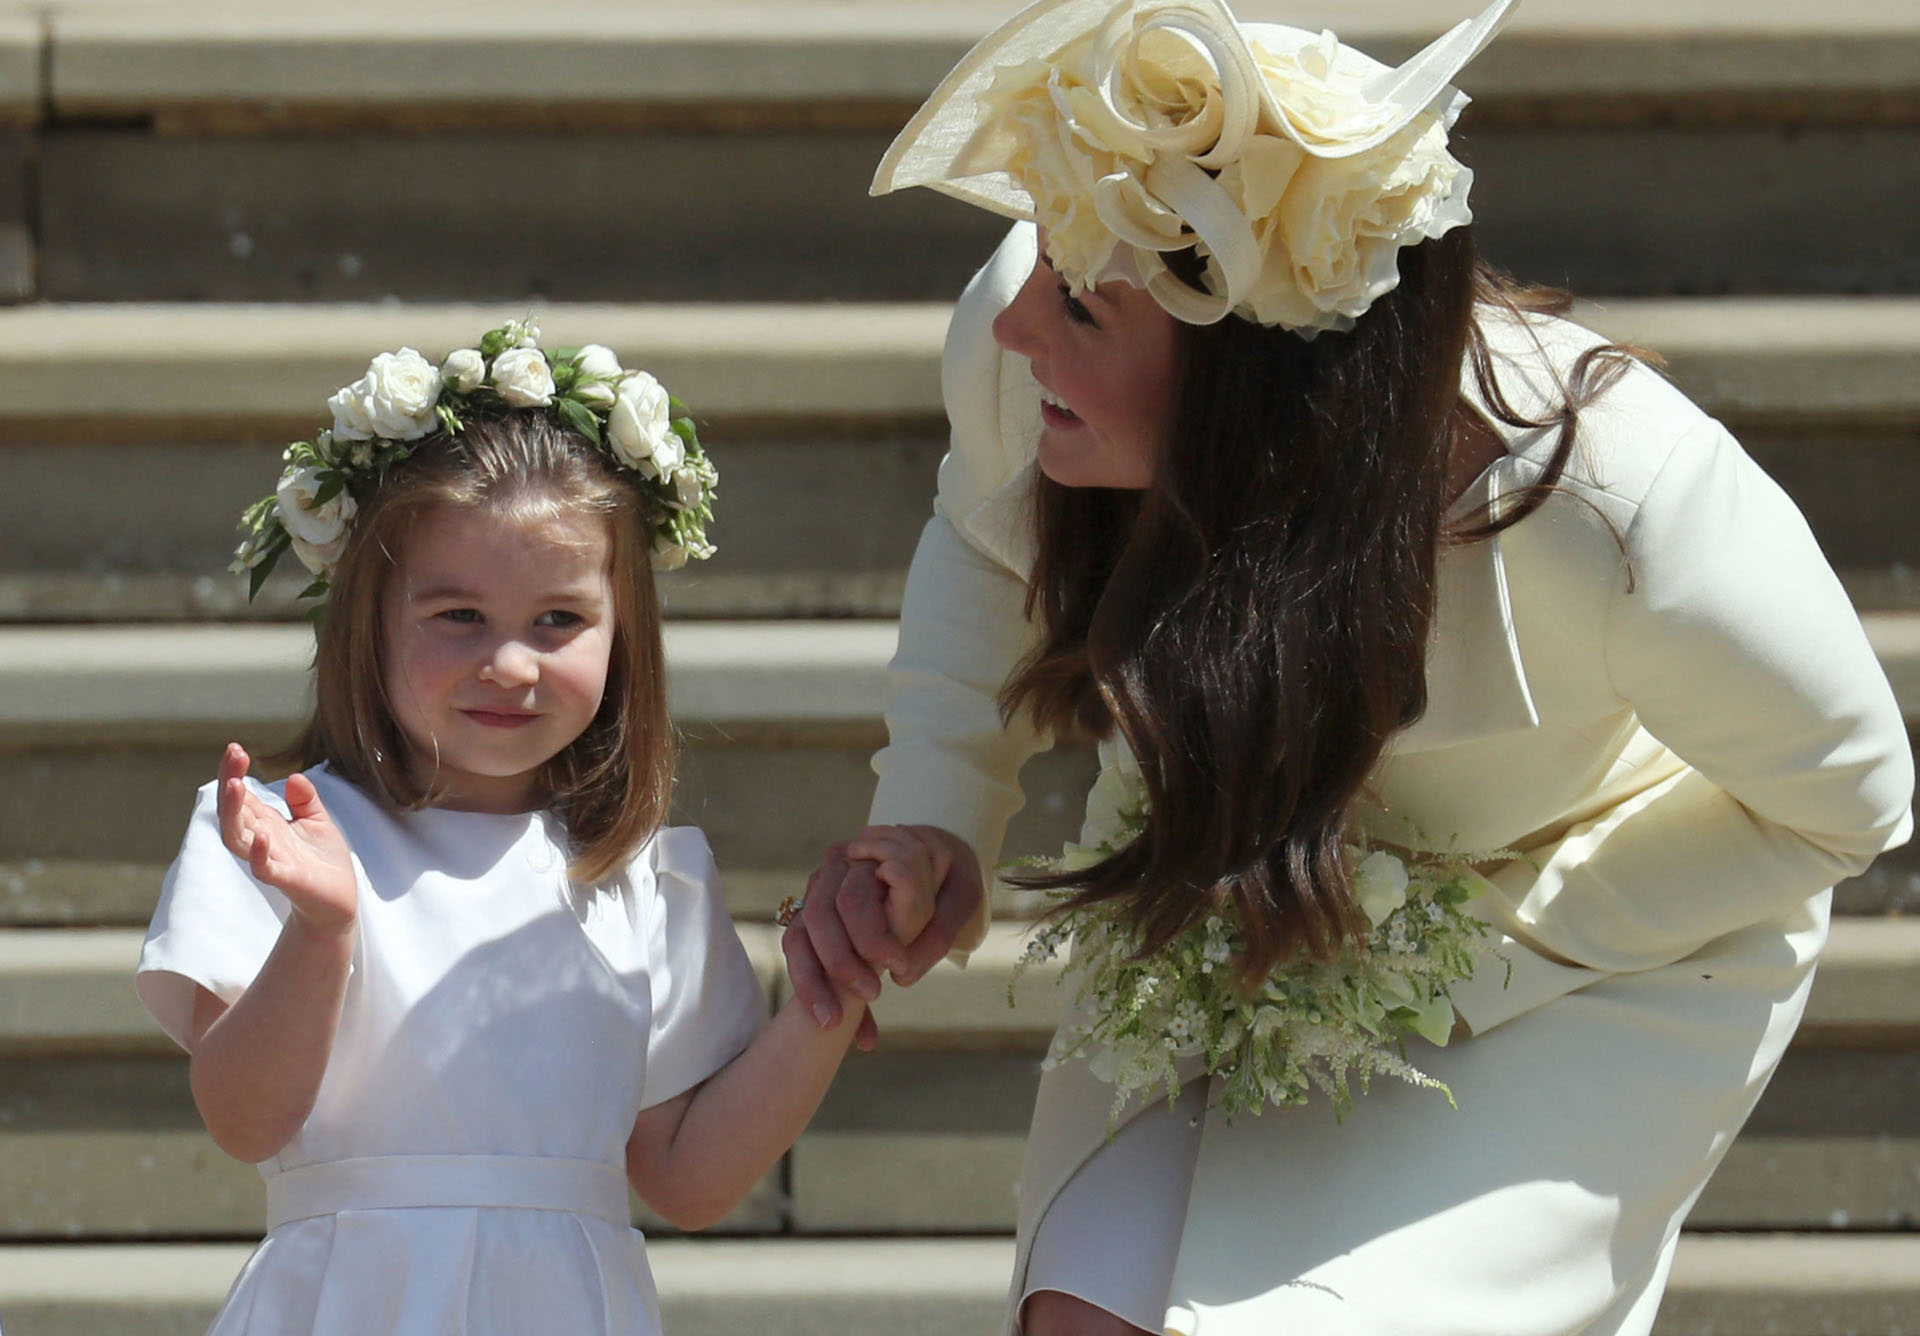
point(862, 902)
point(303, 799)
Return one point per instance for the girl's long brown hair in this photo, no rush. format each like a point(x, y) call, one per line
point(1254, 623)
point(611, 785)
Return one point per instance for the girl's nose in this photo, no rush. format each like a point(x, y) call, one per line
point(1017, 327)
point(511, 664)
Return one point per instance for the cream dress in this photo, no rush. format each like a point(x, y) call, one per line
point(462, 1171)
point(1656, 688)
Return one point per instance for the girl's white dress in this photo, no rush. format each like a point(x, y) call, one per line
point(462, 1171)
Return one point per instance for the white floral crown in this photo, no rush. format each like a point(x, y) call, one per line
point(1294, 166)
point(380, 420)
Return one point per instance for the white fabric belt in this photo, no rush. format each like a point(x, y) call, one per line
point(401, 1182)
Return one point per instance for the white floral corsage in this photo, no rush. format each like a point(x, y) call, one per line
point(380, 420)
point(1309, 1025)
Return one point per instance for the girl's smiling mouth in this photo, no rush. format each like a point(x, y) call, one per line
point(500, 718)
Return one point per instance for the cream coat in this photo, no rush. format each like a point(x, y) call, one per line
point(1655, 687)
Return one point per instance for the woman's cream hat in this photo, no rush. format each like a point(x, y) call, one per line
point(1298, 167)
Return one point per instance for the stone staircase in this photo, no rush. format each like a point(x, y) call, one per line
point(212, 211)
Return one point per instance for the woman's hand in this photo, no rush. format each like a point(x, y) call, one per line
point(305, 858)
point(843, 936)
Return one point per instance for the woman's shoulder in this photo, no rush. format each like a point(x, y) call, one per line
point(1629, 430)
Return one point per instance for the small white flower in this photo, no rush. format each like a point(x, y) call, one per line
point(393, 401)
point(319, 533)
point(1380, 885)
point(599, 371)
point(523, 333)
point(688, 488)
point(465, 369)
point(668, 555)
point(523, 378)
point(641, 429)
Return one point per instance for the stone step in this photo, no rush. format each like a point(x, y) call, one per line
point(1729, 1285)
point(780, 719)
point(169, 420)
point(98, 1136)
point(192, 151)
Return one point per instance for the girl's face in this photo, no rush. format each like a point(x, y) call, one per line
point(498, 637)
point(1106, 364)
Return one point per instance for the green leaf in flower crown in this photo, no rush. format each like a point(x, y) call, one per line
point(565, 374)
point(580, 418)
point(315, 589)
point(270, 554)
point(449, 418)
point(493, 343)
point(683, 428)
point(331, 487)
point(563, 354)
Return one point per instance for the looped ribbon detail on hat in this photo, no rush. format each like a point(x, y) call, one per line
point(1295, 167)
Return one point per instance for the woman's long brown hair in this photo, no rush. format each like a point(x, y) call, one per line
point(1254, 623)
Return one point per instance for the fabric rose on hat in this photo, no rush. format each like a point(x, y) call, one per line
point(394, 401)
point(318, 533)
point(1162, 130)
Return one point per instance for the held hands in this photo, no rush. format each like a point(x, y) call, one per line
point(892, 898)
point(305, 858)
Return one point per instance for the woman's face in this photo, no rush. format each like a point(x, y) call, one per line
point(1105, 361)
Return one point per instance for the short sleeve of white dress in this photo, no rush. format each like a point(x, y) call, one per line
point(707, 1001)
point(214, 925)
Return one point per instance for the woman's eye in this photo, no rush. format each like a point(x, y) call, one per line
point(1075, 308)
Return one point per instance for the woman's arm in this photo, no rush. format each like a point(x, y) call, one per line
point(1739, 650)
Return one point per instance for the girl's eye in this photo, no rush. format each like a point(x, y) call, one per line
point(561, 619)
point(1075, 308)
point(463, 616)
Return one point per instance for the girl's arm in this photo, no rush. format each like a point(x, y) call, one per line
point(695, 1156)
point(256, 1065)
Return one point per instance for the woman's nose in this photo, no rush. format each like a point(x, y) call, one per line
point(1017, 327)
point(511, 664)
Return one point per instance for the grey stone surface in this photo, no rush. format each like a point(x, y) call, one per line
point(666, 216)
point(950, 1287)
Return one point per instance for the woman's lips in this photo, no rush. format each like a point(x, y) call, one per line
point(1055, 416)
point(499, 718)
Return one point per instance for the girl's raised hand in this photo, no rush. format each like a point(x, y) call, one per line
point(305, 858)
point(910, 870)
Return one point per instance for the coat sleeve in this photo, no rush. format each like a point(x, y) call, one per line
point(1738, 649)
point(949, 760)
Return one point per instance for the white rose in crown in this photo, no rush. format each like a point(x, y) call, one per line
point(465, 369)
point(394, 401)
point(641, 427)
point(669, 555)
point(523, 378)
point(318, 533)
point(599, 371)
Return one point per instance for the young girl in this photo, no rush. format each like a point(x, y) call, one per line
point(452, 987)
